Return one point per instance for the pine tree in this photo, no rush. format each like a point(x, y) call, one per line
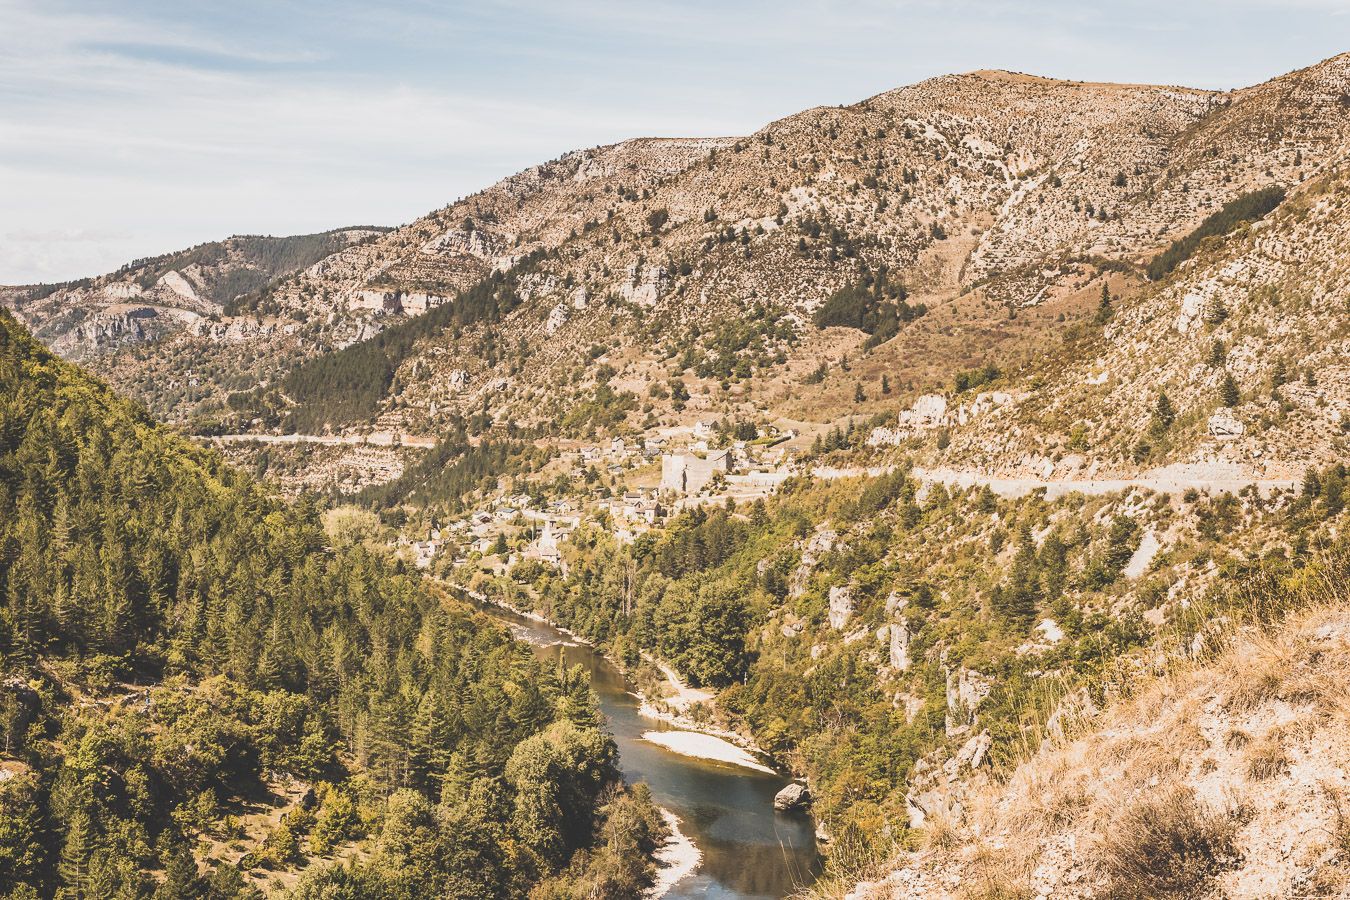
point(1229, 395)
point(1164, 414)
point(1312, 483)
point(1104, 310)
point(1018, 596)
point(1333, 489)
point(1279, 376)
point(77, 850)
point(1218, 354)
point(1164, 410)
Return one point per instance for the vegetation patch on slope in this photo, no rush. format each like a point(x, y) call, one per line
point(1236, 212)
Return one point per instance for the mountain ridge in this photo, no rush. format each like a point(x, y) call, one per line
point(979, 194)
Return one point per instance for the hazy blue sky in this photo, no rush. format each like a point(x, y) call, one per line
point(136, 127)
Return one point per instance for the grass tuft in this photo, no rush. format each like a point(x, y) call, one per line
point(1167, 845)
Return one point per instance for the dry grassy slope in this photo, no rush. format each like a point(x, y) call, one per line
point(1007, 166)
point(1282, 289)
point(1240, 761)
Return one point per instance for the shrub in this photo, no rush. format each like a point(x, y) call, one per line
point(1167, 845)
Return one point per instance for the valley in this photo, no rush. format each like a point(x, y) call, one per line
point(921, 497)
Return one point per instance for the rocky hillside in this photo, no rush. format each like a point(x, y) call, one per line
point(1000, 202)
point(985, 193)
point(189, 292)
point(1247, 340)
point(1223, 778)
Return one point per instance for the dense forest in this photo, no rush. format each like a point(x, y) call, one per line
point(179, 650)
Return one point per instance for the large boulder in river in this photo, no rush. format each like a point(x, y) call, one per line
point(794, 796)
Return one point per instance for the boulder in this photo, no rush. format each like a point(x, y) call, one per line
point(794, 796)
point(966, 690)
point(929, 411)
point(974, 751)
point(1225, 426)
point(557, 317)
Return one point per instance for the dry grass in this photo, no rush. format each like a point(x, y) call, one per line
point(1332, 877)
point(1237, 739)
point(1257, 674)
point(1267, 758)
point(997, 874)
point(1167, 844)
point(1051, 801)
point(940, 832)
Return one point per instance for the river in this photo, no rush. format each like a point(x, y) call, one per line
point(749, 851)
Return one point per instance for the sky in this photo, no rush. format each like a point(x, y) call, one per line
point(137, 127)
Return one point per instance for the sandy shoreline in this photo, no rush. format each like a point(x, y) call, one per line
point(648, 708)
point(675, 861)
point(705, 746)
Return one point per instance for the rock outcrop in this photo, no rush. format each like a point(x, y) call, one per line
point(841, 606)
point(794, 796)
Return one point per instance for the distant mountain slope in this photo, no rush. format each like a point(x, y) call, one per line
point(151, 298)
point(1247, 339)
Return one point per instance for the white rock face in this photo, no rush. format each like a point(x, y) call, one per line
point(1050, 630)
point(556, 318)
point(1225, 426)
point(841, 606)
point(989, 401)
point(477, 243)
point(966, 690)
point(122, 290)
point(929, 411)
point(1143, 556)
point(459, 379)
point(234, 330)
point(900, 640)
point(821, 542)
point(179, 285)
point(644, 287)
point(973, 751)
point(933, 411)
point(1192, 306)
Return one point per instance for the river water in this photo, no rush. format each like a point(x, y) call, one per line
point(749, 850)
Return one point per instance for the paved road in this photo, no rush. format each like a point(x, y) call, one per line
point(375, 439)
point(1213, 477)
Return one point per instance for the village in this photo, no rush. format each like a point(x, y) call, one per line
point(625, 487)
